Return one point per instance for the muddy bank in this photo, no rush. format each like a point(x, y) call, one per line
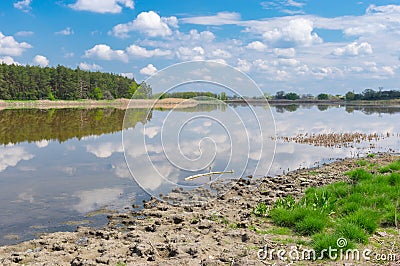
point(222, 232)
point(119, 103)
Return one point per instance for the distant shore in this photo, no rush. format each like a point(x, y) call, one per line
point(316, 102)
point(174, 103)
point(118, 103)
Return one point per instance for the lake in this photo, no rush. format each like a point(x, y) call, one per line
point(60, 167)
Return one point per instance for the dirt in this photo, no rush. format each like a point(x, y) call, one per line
point(222, 232)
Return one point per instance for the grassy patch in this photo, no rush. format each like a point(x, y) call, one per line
point(352, 211)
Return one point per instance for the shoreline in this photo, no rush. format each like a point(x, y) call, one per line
point(220, 232)
point(174, 103)
point(89, 104)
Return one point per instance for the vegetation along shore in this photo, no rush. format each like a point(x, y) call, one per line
point(354, 200)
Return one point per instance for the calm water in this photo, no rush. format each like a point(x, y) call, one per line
point(58, 166)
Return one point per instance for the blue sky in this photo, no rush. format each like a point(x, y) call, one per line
point(306, 46)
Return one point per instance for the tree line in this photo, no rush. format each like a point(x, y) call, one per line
point(61, 83)
point(366, 95)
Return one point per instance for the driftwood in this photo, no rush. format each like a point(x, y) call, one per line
point(207, 174)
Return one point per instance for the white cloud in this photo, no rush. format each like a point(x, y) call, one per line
point(354, 49)
point(89, 67)
point(127, 75)
point(285, 6)
point(186, 53)
point(23, 5)
point(139, 51)
point(221, 18)
point(102, 6)
point(42, 144)
point(285, 53)
point(257, 45)
point(148, 70)
point(9, 46)
point(11, 156)
point(67, 31)
point(243, 65)
point(104, 150)
point(24, 33)
point(97, 198)
point(148, 23)
point(41, 60)
point(297, 32)
point(220, 53)
point(8, 60)
point(104, 52)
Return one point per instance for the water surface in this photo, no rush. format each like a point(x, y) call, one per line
point(58, 166)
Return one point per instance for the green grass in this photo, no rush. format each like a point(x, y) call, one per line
point(395, 166)
point(352, 210)
point(361, 162)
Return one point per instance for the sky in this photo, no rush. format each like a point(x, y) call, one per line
point(304, 46)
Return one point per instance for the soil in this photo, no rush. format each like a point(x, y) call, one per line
point(222, 232)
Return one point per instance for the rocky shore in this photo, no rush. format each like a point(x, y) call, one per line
point(222, 232)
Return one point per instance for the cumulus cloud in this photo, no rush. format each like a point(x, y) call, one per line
point(221, 18)
point(148, 23)
point(41, 60)
point(23, 5)
point(97, 198)
point(221, 53)
point(148, 70)
point(186, 53)
point(243, 65)
point(102, 6)
point(297, 32)
point(8, 60)
point(11, 156)
point(138, 51)
point(285, 53)
point(89, 67)
point(354, 49)
point(105, 150)
point(67, 31)
point(9, 46)
point(256, 45)
point(104, 52)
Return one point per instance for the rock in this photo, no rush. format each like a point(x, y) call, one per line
point(178, 219)
point(103, 260)
point(151, 228)
point(82, 241)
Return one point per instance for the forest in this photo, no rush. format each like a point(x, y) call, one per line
point(61, 83)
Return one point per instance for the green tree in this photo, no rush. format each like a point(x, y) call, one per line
point(292, 96)
point(323, 96)
point(350, 96)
